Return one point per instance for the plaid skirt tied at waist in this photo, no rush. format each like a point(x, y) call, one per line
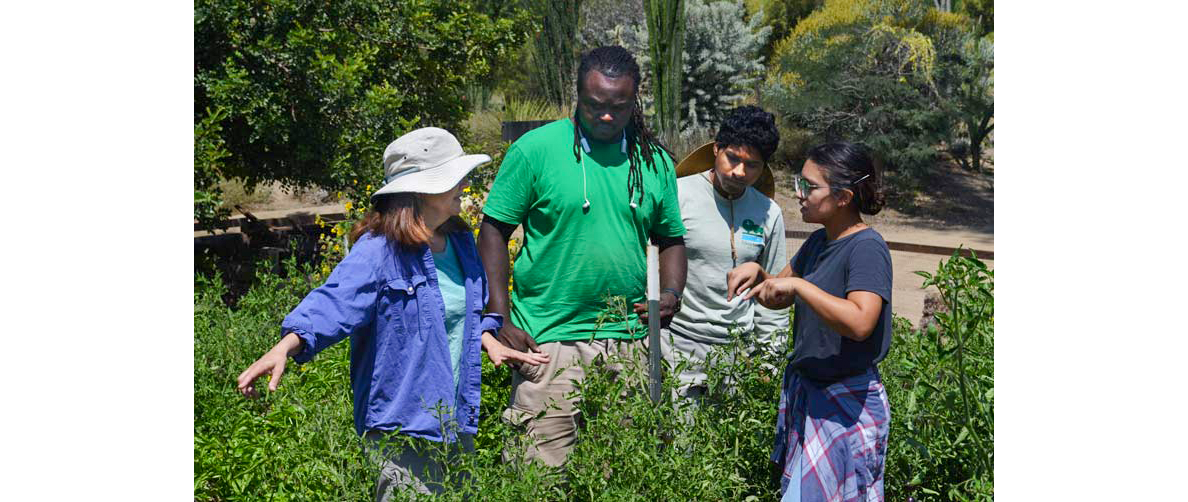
point(831, 440)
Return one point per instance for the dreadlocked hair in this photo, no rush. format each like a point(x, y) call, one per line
point(642, 145)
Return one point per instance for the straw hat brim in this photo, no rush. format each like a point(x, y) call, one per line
point(702, 159)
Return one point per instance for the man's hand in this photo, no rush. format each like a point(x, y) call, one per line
point(668, 308)
point(516, 338)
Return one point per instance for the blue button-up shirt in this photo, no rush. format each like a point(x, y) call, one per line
point(386, 299)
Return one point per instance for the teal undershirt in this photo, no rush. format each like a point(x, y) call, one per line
point(452, 283)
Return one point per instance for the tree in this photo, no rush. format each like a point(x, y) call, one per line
point(860, 71)
point(309, 93)
point(721, 60)
point(666, 26)
point(781, 16)
point(972, 96)
point(555, 48)
point(607, 22)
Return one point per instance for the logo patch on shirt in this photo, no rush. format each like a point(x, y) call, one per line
point(751, 232)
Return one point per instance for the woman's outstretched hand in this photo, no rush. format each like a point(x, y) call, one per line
point(272, 362)
point(775, 293)
point(744, 277)
point(500, 353)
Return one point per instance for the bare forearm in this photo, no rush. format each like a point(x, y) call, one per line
point(673, 268)
point(289, 345)
point(493, 252)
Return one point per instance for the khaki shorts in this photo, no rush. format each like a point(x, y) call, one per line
point(540, 402)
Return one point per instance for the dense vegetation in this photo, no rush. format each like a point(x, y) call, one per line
point(309, 93)
point(899, 75)
point(299, 444)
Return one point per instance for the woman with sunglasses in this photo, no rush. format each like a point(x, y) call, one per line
point(410, 296)
point(831, 430)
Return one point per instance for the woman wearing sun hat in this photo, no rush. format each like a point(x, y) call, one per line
point(410, 295)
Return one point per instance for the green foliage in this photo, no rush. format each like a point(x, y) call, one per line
point(781, 16)
point(666, 38)
point(312, 92)
point(721, 60)
point(604, 22)
point(968, 85)
point(941, 384)
point(299, 444)
point(209, 152)
point(555, 48)
point(864, 71)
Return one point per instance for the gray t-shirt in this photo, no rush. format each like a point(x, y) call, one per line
point(857, 262)
point(758, 225)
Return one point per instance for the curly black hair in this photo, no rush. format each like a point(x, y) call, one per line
point(751, 126)
point(614, 61)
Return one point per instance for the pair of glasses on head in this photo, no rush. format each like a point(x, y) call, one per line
point(804, 187)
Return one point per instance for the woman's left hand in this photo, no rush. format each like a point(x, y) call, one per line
point(500, 353)
point(774, 293)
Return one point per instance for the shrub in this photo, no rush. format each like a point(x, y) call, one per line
point(860, 71)
point(209, 152)
point(299, 444)
point(310, 93)
point(721, 59)
point(942, 387)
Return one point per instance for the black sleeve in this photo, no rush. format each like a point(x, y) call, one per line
point(664, 242)
point(505, 229)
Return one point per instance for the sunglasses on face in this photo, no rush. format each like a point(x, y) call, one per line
point(804, 187)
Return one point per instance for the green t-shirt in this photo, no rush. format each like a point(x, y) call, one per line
point(575, 260)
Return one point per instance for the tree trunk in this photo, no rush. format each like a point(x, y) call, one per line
point(666, 39)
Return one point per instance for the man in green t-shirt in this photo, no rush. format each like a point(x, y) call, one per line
point(589, 192)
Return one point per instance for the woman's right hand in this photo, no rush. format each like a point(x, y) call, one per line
point(500, 353)
point(744, 277)
point(272, 362)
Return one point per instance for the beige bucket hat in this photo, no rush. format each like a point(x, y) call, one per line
point(428, 160)
point(702, 159)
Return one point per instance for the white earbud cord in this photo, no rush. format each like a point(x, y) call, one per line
point(586, 148)
point(584, 196)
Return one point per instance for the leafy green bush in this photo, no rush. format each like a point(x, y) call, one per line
point(209, 152)
point(941, 384)
point(299, 444)
point(862, 71)
point(309, 93)
point(722, 61)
